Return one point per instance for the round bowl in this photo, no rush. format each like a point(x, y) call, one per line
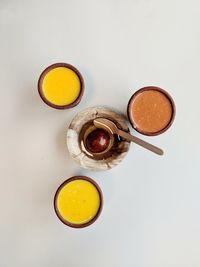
point(84, 135)
point(40, 83)
point(100, 205)
point(131, 101)
point(75, 139)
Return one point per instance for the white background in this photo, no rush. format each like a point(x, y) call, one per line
point(151, 215)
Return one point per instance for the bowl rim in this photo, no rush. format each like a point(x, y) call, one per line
point(57, 65)
point(148, 88)
point(73, 178)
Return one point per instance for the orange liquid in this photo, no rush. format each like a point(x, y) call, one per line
point(151, 111)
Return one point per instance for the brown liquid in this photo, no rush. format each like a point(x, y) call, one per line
point(151, 111)
point(113, 152)
point(97, 141)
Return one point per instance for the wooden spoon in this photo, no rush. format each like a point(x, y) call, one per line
point(113, 129)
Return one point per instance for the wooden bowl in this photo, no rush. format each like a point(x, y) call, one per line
point(85, 133)
point(75, 140)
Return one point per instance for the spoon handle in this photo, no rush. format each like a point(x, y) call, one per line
point(140, 142)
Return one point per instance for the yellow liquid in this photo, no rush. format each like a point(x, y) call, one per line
point(78, 201)
point(61, 86)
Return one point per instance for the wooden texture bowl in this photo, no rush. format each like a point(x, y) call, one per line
point(75, 140)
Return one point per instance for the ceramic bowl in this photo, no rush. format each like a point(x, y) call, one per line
point(131, 101)
point(40, 85)
point(82, 225)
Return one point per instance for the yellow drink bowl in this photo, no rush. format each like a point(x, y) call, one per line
point(78, 201)
point(61, 86)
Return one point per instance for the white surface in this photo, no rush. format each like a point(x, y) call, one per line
point(151, 215)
